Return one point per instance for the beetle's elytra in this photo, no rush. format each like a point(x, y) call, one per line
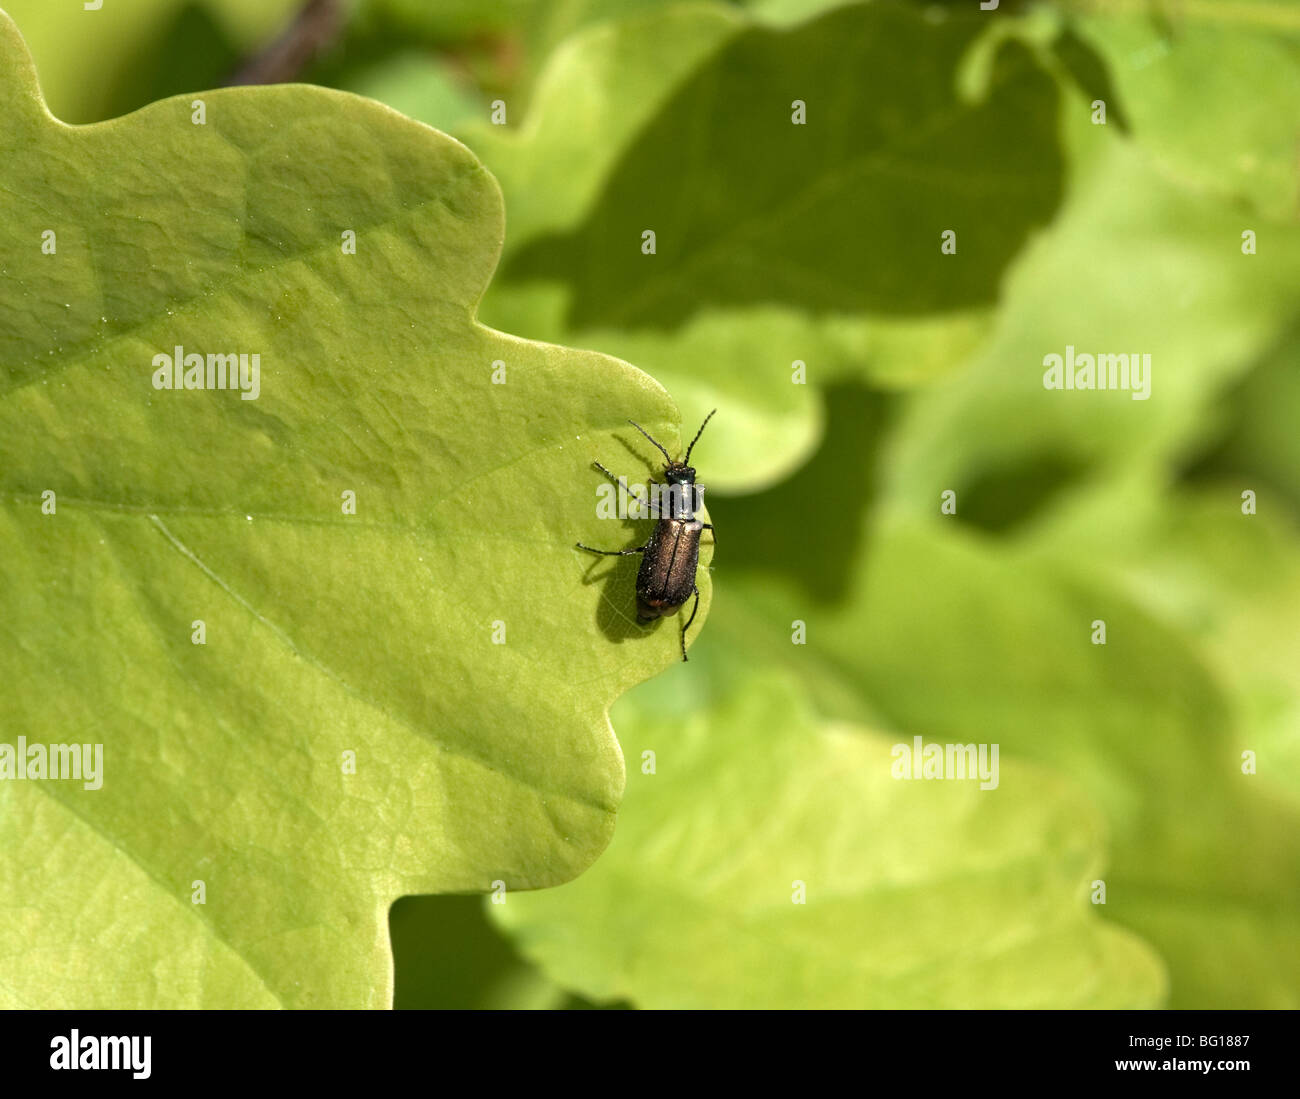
point(669, 559)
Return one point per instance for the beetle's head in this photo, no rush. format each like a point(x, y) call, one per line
point(681, 472)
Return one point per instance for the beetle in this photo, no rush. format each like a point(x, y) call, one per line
point(669, 559)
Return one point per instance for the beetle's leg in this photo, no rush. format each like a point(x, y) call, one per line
point(611, 553)
point(709, 526)
point(614, 477)
point(694, 607)
point(644, 501)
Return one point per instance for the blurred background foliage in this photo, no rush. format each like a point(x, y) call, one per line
point(819, 244)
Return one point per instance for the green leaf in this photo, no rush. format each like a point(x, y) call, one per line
point(618, 77)
point(1181, 72)
point(758, 205)
point(607, 99)
point(963, 638)
point(446, 954)
point(765, 367)
point(945, 632)
point(681, 121)
point(915, 893)
point(1227, 579)
point(767, 425)
point(414, 83)
point(1135, 265)
point(326, 633)
point(102, 63)
point(553, 169)
point(1256, 436)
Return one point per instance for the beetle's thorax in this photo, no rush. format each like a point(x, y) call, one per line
point(679, 499)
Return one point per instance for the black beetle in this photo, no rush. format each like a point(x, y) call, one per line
point(666, 578)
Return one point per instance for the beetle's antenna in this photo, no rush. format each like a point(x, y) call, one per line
point(650, 437)
point(687, 459)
